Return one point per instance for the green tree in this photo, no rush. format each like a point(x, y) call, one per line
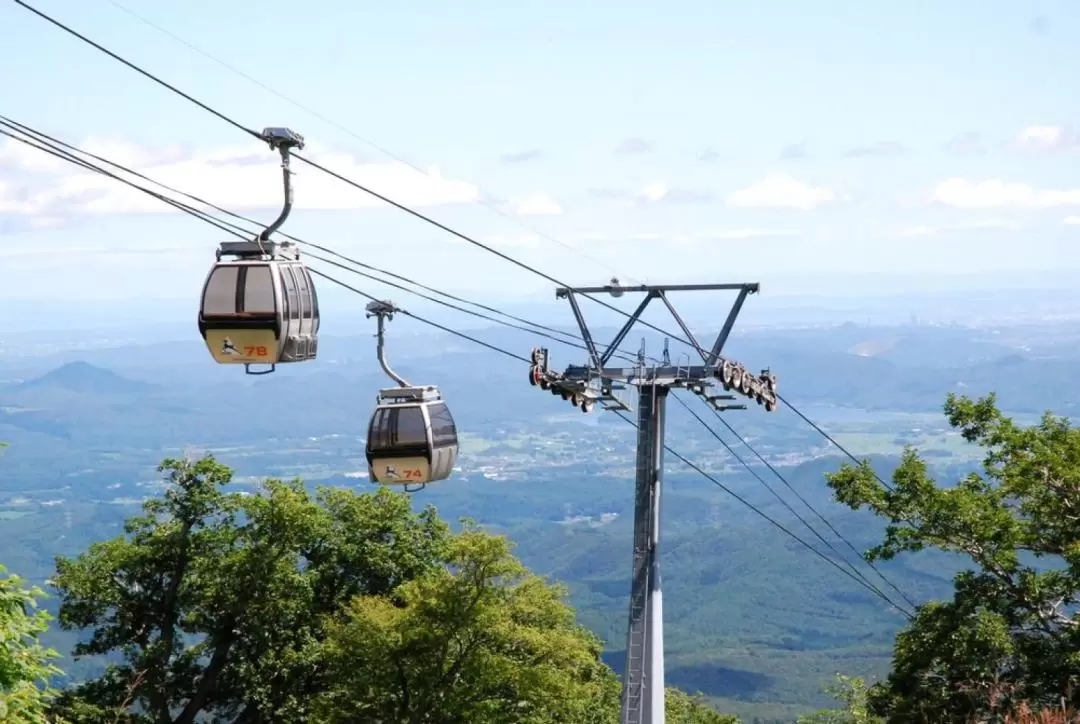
point(215, 601)
point(25, 665)
point(1007, 635)
point(854, 694)
point(682, 708)
point(287, 607)
point(480, 640)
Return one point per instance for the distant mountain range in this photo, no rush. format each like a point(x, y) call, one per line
point(174, 389)
point(83, 377)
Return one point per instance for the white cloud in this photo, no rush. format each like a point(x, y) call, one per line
point(700, 237)
point(917, 231)
point(729, 234)
point(535, 205)
point(995, 193)
point(136, 157)
point(661, 192)
point(655, 191)
point(1071, 221)
point(778, 190)
point(238, 178)
point(696, 236)
point(13, 200)
point(1045, 139)
point(583, 237)
point(19, 156)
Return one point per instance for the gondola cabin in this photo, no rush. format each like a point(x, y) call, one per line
point(260, 307)
point(412, 439)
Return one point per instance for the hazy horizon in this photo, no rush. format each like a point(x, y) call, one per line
point(343, 312)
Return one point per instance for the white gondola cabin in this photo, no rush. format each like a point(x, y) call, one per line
point(412, 438)
point(261, 307)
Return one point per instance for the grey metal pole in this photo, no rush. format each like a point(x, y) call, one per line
point(643, 680)
point(654, 640)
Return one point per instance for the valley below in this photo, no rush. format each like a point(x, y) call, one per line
point(753, 619)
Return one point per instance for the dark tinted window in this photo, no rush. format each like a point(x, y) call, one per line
point(259, 290)
point(443, 430)
point(394, 427)
point(220, 294)
point(378, 438)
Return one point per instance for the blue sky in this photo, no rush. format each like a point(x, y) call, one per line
point(782, 142)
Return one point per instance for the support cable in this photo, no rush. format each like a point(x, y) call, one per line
point(30, 131)
point(417, 317)
point(788, 506)
point(351, 182)
point(830, 438)
point(798, 495)
point(367, 142)
point(241, 232)
point(251, 132)
point(201, 215)
point(254, 134)
point(235, 230)
point(824, 520)
point(225, 226)
point(136, 68)
point(479, 315)
point(757, 511)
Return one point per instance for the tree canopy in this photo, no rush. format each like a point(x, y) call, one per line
point(481, 640)
point(25, 664)
point(332, 607)
point(1010, 636)
point(852, 692)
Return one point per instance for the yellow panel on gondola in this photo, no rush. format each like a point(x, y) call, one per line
point(401, 471)
point(242, 346)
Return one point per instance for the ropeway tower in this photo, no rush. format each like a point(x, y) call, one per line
point(595, 382)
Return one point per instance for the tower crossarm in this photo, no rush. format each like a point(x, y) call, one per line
point(596, 381)
point(585, 385)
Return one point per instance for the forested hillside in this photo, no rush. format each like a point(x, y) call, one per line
point(285, 605)
point(289, 607)
point(753, 619)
